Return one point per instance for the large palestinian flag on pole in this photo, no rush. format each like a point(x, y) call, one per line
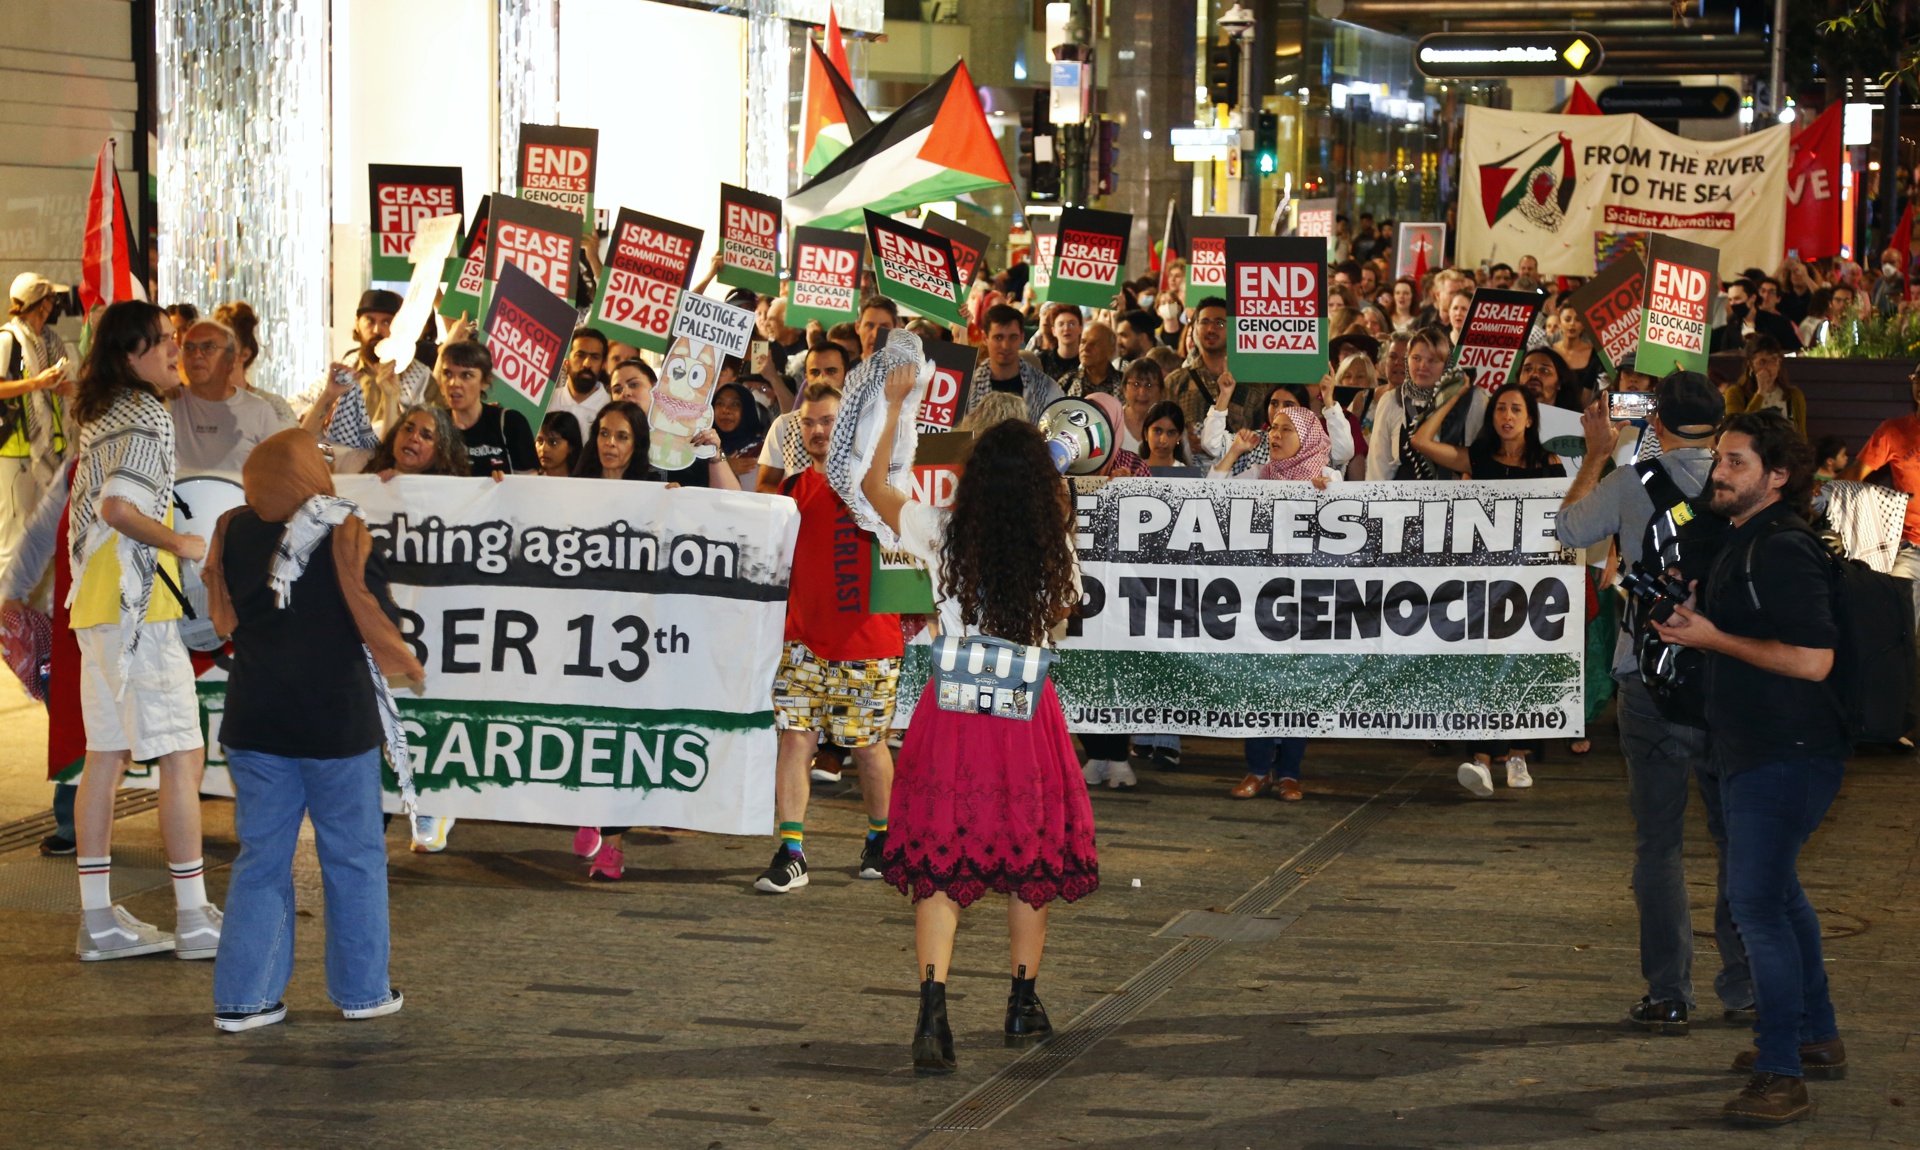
point(935, 147)
point(834, 117)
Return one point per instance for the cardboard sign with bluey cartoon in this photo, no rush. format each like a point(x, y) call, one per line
point(705, 332)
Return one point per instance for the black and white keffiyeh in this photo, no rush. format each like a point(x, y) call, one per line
point(863, 415)
point(1869, 519)
point(127, 454)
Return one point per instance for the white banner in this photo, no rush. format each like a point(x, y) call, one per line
point(1542, 185)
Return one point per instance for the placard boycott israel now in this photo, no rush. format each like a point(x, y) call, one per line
point(825, 280)
point(1276, 308)
point(914, 267)
point(1675, 319)
point(526, 331)
point(1207, 268)
point(400, 197)
point(557, 169)
point(1369, 610)
point(749, 233)
point(596, 653)
point(649, 263)
point(1090, 257)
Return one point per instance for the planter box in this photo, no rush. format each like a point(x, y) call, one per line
point(1845, 397)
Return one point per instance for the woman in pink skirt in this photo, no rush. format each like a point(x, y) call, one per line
point(983, 802)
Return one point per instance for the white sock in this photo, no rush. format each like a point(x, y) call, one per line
point(189, 884)
point(96, 883)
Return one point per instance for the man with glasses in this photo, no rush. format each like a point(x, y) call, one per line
point(216, 424)
point(1196, 383)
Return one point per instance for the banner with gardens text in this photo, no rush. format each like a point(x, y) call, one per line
point(597, 654)
point(1234, 608)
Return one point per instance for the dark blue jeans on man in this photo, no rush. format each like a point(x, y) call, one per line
point(1771, 811)
point(1662, 758)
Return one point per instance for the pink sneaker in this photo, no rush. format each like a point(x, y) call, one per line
point(610, 864)
point(586, 842)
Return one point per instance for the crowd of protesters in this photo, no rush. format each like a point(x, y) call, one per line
point(94, 442)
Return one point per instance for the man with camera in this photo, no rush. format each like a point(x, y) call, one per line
point(33, 432)
point(1662, 754)
point(1765, 618)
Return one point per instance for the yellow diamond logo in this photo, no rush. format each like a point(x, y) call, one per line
point(1576, 54)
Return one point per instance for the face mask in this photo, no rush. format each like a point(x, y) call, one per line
point(1890, 270)
point(1170, 312)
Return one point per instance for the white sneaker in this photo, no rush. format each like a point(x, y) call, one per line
point(1477, 779)
point(395, 1000)
point(1120, 775)
point(1517, 775)
point(114, 933)
point(1095, 772)
point(197, 932)
point(430, 833)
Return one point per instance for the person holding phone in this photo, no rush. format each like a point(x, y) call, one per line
point(33, 426)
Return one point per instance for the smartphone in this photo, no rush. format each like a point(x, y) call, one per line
point(760, 353)
point(1624, 405)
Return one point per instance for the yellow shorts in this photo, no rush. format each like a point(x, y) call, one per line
point(850, 702)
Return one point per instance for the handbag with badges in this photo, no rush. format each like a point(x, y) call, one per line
point(979, 675)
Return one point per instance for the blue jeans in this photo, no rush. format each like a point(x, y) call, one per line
point(1734, 983)
point(1280, 757)
point(256, 945)
point(1771, 810)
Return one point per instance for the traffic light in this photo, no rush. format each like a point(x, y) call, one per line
point(1266, 143)
point(1223, 74)
point(1039, 163)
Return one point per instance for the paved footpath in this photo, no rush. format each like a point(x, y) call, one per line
point(1389, 964)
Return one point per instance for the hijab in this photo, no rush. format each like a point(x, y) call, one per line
point(1315, 449)
point(748, 432)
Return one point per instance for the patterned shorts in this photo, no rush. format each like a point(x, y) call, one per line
point(850, 702)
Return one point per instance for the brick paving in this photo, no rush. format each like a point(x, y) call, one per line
point(1439, 971)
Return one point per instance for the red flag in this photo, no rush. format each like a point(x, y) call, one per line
point(836, 48)
point(1581, 104)
point(1813, 189)
point(1420, 250)
point(107, 255)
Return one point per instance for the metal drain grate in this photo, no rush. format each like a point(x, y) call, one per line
point(30, 830)
point(992, 1099)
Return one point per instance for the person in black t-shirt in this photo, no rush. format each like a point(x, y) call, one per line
point(1765, 619)
point(498, 440)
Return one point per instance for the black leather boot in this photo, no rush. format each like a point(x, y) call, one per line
point(932, 1037)
point(1027, 1021)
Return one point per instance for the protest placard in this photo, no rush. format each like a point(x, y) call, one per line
point(432, 240)
point(1495, 336)
point(749, 235)
point(465, 275)
point(824, 281)
point(1419, 250)
point(914, 268)
point(557, 170)
point(400, 197)
point(705, 332)
point(953, 365)
point(968, 246)
point(526, 329)
point(541, 241)
point(1207, 267)
point(1046, 240)
point(649, 264)
point(898, 582)
point(1609, 306)
point(1276, 309)
point(1089, 258)
point(707, 320)
point(1675, 320)
point(1411, 610)
point(1316, 219)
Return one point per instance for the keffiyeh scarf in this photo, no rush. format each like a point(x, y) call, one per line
point(127, 454)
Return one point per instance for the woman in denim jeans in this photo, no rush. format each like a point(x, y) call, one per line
point(310, 624)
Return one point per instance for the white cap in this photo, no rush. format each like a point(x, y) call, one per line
point(31, 287)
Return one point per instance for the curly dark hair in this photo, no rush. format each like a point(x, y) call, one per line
point(1008, 556)
point(449, 450)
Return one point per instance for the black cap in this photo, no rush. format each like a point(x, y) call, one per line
point(387, 302)
point(1343, 346)
point(1626, 363)
point(744, 298)
point(1689, 399)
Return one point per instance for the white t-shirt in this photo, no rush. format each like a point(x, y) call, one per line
point(583, 410)
point(218, 436)
point(923, 531)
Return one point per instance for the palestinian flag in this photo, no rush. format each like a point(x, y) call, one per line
point(1537, 181)
point(834, 118)
point(935, 147)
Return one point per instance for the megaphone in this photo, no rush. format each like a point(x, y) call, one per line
point(1079, 436)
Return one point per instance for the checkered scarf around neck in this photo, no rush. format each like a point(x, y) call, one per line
point(1315, 448)
point(127, 454)
point(793, 445)
point(1416, 403)
point(288, 481)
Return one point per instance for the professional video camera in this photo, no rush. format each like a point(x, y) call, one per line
point(1656, 592)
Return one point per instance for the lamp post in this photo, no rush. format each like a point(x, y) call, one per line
point(1238, 26)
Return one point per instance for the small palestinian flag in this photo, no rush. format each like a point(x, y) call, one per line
point(834, 119)
point(1537, 181)
point(935, 147)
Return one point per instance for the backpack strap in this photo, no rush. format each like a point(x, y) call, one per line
point(1659, 485)
point(1771, 530)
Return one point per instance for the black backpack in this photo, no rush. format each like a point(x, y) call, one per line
point(12, 411)
point(1684, 534)
point(1874, 676)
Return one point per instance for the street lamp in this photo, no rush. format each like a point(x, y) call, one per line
point(1237, 22)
